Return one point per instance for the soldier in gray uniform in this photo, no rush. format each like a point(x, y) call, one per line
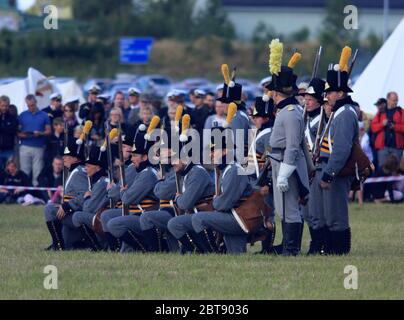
point(313, 213)
point(334, 153)
point(155, 222)
point(197, 186)
point(235, 186)
point(114, 193)
point(58, 217)
point(232, 92)
point(139, 196)
point(263, 118)
point(94, 199)
point(289, 168)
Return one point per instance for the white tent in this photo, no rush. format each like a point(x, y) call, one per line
point(383, 74)
point(42, 87)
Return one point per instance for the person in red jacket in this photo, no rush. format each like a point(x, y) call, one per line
point(388, 126)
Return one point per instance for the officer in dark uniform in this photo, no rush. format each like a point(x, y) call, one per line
point(95, 198)
point(58, 217)
point(86, 108)
point(54, 110)
point(334, 153)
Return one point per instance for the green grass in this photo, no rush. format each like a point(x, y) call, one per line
point(378, 253)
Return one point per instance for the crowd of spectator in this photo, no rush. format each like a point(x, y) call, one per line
point(32, 142)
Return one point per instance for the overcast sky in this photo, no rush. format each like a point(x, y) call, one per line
point(25, 4)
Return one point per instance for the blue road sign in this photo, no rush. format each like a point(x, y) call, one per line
point(135, 50)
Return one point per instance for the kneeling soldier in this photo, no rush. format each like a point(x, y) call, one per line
point(234, 187)
point(95, 198)
point(58, 217)
point(197, 186)
point(139, 196)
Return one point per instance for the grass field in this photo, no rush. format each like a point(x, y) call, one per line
point(378, 253)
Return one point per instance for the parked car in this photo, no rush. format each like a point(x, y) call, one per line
point(155, 84)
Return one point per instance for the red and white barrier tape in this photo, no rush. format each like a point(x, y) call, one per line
point(28, 188)
point(384, 179)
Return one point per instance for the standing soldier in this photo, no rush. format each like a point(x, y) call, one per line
point(232, 92)
point(263, 118)
point(95, 198)
point(289, 168)
point(335, 150)
point(58, 217)
point(313, 213)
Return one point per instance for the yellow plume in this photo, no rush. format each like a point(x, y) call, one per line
point(275, 57)
point(186, 121)
point(113, 134)
point(226, 74)
point(345, 55)
point(153, 125)
point(231, 111)
point(294, 60)
point(86, 130)
point(178, 113)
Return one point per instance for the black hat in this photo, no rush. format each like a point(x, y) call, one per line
point(226, 138)
point(231, 93)
point(263, 108)
point(72, 149)
point(97, 157)
point(284, 81)
point(337, 81)
point(316, 89)
point(141, 145)
point(380, 101)
point(128, 138)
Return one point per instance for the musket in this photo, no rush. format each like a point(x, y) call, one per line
point(125, 207)
point(65, 169)
point(316, 63)
point(109, 156)
point(320, 129)
point(351, 66)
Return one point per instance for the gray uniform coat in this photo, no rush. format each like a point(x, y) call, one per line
point(343, 132)
point(286, 143)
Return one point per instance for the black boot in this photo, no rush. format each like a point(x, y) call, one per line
point(55, 230)
point(91, 238)
point(267, 245)
point(152, 238)
point(204, 241)
point(187, 245)
point(114, 244)
point(292, 239)
point(134, 241)
point(341, 241)
point(328, 248)
point(317, 241)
